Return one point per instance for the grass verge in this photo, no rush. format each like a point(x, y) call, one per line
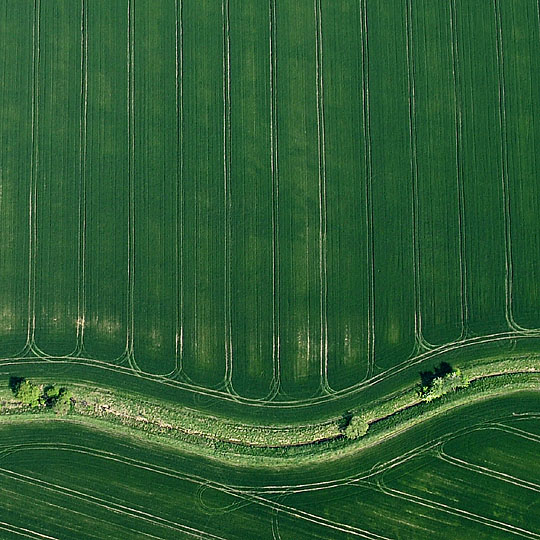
point(189, 430)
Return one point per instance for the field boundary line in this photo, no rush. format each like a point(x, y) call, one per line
point(459, 512)
point(274, 163)
point(459, 172)
point(370, 251)
point(505, 181)
point(245, 490)
point(180, 198)
point(81, 254)
point(421, 344)
point(503, 477)
point(32, 214)
point(227, 194)
point(321, 150)
point(217, 394)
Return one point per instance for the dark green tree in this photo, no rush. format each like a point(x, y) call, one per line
point(29, 394)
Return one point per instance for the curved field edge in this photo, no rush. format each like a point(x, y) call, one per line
point(250, 444)
point(469, 354)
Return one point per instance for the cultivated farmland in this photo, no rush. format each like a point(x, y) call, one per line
point(271, 213)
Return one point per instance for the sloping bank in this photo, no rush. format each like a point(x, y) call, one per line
point(188, 430)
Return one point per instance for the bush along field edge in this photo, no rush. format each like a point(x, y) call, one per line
point(189, 430)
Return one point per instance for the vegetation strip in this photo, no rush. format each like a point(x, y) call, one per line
point(190, 429)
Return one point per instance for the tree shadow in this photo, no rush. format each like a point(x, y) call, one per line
point(427, 377)
point(15, 383)
point(345, 420)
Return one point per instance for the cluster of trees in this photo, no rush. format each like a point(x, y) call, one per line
point(33, 395)
point(442, 380)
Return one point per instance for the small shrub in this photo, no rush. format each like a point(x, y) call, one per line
point(357, 427)
point(29, 394)
point(443, 385)
point(51, 396)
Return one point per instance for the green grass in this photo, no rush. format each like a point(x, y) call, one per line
point(348, 249)
point(16, 95)
point(57, 176)
point(202, 200)
point(307, 198)
point(252, 244)
point(106, 181)
point(437, 175)
point(102, 483)
point(521, 136)
point(391, 182)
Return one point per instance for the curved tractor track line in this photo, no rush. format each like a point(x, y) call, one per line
point(81, 252)
point(254, 495)
point(218, 394)
point(107, 505)
point(247, 497)
point(505, 182)
point(247, 489)
point(366, 122)
point(458, 512)
point(459, 172)
point(503, 477)
point(27, 533)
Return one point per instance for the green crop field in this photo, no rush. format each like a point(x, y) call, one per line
point(263, 219)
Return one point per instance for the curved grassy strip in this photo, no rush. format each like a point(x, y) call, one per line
point(217, 437)
point(479, 355)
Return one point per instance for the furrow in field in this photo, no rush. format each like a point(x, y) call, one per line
point(394, 301)
point(99, 509)
point(481, 159)
point(203, 183)
point(463, 515)
point(106, 185)
point(519, 41)
point(420, 343)
point(366, 120)
point(23, 531)
point(251, 193)
point(274, 165)
point(83, 146)
point(490, 472)
point(227, 240)
point(436, 171)
point(154, 187)
point(57, 177)
point(346, 220)
point(502, 451)
point(323, 244)
point(131, 159)
point(469, 494)
point(456, 96)
point(299, 210)
point(17, 131)
point(179, 224)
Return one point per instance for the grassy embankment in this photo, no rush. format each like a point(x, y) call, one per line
point(189, 430)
